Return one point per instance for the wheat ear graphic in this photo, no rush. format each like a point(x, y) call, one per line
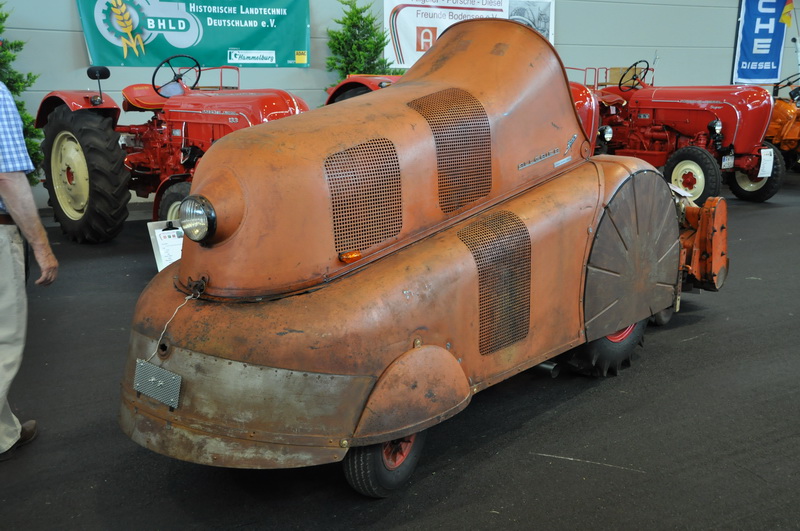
point(125, 22)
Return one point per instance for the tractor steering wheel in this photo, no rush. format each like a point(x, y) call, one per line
point(627, 83)
point(184, 71)
point(783, 83)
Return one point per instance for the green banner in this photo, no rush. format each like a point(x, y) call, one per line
point(244, 33)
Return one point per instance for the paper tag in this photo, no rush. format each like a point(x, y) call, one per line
point(767, 159)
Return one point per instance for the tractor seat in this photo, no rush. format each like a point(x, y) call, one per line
point(142, 97)
point(609, 98)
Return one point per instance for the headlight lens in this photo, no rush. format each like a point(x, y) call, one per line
point(606, 133)
point(715, 126)
point(197, 217)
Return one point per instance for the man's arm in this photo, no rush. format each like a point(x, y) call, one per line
point(18, 198)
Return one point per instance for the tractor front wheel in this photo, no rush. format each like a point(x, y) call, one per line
point(759, 189)
point(170, 205)
point(695, 171)
point(86, 176)
point(379, 469)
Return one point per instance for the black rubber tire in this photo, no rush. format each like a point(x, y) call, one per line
point(174, 193)
point(602, 357)
point(366, 470)
point(101, 214)
point(351, 93)
point(760, 191)
point(697, 159)
point(790, 159)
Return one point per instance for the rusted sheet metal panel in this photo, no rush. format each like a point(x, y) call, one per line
point(421, 381)
point(280, 171)
point(254, 402)
point(633, 267)
point(211, 448)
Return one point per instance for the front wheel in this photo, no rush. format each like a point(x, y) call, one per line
point(86, 176)
point(379, 469)
point(695, 171)
point(759, 189)
point(608, 354)
point(170, 205)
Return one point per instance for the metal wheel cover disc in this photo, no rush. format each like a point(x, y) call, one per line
point(69, 164)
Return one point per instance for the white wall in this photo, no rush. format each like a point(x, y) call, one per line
point(693, 40)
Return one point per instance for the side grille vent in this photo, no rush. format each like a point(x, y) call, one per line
point(501, 246)
point(463, 145)
point(364, 183)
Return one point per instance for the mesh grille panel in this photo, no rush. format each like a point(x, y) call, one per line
point(463, 145)
point(364, 183)
point(501, 247)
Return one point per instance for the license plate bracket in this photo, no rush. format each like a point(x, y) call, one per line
point(158, 383)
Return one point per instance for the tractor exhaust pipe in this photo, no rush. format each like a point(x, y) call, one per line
point(549, 367)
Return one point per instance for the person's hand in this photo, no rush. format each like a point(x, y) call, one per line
point(48, 264)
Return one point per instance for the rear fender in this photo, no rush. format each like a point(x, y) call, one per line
point(423, 387)
point(76, 100)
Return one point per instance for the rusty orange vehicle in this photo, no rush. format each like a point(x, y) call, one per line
point(356, 274)
point(784, 125)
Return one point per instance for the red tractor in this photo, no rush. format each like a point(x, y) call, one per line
point(702, 136)
point(92, 162)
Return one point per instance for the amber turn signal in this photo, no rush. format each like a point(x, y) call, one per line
point(350, 256)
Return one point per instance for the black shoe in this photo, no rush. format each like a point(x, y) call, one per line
point(26, 435)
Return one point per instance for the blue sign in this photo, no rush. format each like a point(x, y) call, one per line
point(759, 43)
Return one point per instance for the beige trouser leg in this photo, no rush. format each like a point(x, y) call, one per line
point(13, 320)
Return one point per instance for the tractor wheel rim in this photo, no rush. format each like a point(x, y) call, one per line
point(688, 176)
point(70, 175)
point(395, 452)
point(174, 211)
point(621, 335)
point(750, 184)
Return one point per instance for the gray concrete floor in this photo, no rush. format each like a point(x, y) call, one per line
point(703, 432)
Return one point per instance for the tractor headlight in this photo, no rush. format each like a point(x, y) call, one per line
point(715, 126)
point(197, 217)
point(605, 133)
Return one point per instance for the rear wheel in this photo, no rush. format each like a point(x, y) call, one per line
point(379, 469)
point(169, 207)
point(695, 171)
point(86, 176)
point(759, 189)
point(609, 354)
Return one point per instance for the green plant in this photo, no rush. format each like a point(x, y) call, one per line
point(17, 82)
point(357, 48)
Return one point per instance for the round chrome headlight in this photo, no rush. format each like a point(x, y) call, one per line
point(197, 218)
point(715, 126)
point(606, 133)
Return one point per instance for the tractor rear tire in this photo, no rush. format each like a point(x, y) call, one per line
point(695, 171)
point(86, 176)
point(168, 208)
point(757, 189)
point(610, 354)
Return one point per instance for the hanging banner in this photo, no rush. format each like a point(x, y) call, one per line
point(413, 27)
point(759, 41)
point(252, 33)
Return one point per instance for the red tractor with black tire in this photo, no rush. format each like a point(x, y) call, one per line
point(92, 162)
point(702, 136)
